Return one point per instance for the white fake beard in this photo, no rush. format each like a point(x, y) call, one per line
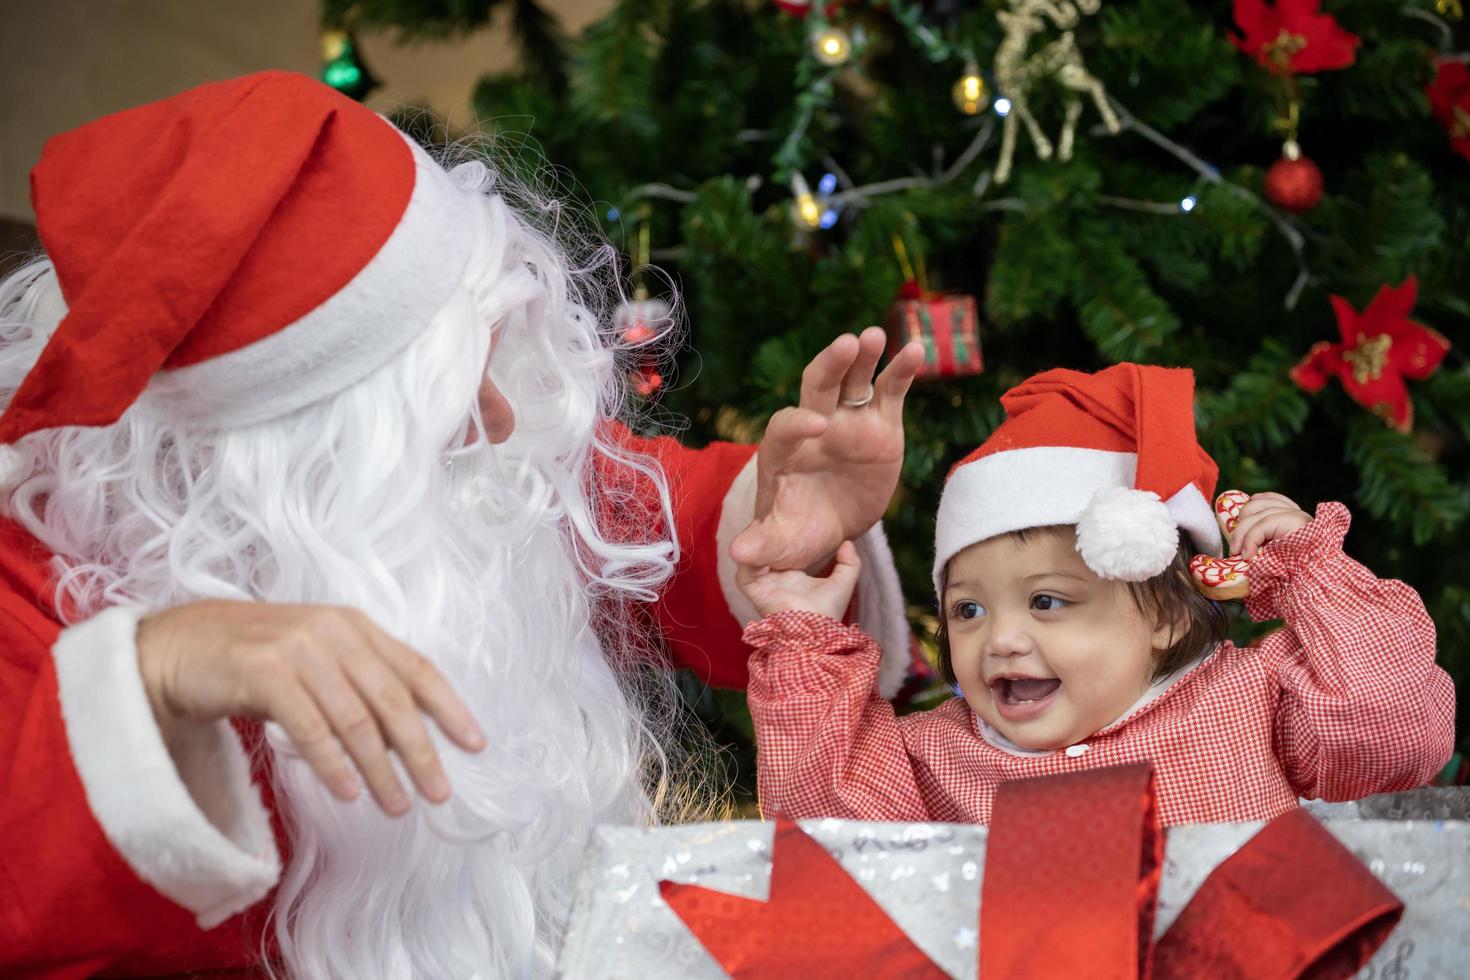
point(480, 885)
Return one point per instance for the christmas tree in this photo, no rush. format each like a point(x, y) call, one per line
point(1277, 196)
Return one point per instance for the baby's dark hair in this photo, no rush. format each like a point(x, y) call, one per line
point(1170, 594)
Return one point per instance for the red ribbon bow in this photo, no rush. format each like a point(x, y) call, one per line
point(1072, 874)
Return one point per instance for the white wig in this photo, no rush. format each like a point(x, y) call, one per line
point(496, 562)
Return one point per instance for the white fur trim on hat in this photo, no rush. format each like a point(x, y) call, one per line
point(1042, 486)
point(1020, 488)
point(1196, 515)
point(1127, 534)
point(361, 327)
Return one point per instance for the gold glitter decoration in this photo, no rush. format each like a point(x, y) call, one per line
point(1286, 46)
point(1461, 129)
point(1016, 73)
point(1369, 358)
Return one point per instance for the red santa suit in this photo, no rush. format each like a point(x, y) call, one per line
point(119, 854)
point(120, 857)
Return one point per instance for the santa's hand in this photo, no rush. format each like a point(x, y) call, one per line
point(796, 591)
point(1264, 518)
point(336, 684)
point(826, 469)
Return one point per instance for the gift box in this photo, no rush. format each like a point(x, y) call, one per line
point(948, 326)
point(935, 900)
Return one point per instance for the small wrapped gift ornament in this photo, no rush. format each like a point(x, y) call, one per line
point(1074, 877)
point(946, 323)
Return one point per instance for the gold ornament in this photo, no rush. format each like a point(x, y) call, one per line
point(1015, 73)
point(831, 46)
point(969, 92)
point(1450, 9)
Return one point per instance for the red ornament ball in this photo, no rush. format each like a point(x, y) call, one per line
point(1294, 184)
point(646, 382)
point(639, 333)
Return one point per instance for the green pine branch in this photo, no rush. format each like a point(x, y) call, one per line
point(1260, 409)
point(1116, 305)
point(1400, 483)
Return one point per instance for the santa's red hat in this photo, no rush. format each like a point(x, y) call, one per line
point(1114, 453)
point(240, 250)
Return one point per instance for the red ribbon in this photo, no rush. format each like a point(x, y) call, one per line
point(1072, 868)
point(818, 923)
point(1308, 906)
point(1072, 871)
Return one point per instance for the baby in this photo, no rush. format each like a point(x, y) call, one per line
point(1071, 625)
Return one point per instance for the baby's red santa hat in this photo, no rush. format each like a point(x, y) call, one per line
point(1114, 453)
point(240, 250)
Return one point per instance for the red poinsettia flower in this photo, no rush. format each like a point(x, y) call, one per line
point(1449, 97)
point(1292, 37)
point(1380, 348)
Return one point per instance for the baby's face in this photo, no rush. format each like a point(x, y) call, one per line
point(1044, 650)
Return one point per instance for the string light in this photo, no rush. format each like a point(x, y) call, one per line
point(831, 46)
point(334, 45)
point(1002, 106)
point(805, 206)
point(969, 92)
point(1189, 203)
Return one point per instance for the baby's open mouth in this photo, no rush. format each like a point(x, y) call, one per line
point(1018, 698)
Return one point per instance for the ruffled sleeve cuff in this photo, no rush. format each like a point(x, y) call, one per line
point(812, 633)
point(1296, 557)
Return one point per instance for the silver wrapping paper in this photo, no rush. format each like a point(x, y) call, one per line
point(927, 876)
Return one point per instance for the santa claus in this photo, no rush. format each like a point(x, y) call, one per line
point(316, 495)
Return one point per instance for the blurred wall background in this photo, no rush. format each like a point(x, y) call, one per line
point(64, 62)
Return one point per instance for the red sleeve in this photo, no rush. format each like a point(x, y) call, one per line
point(692, 612)
point(80, 893)
point(69, 905)
point(1362, 708)
point(827, 744)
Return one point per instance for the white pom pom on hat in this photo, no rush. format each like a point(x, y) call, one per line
point(1113, 453)
point(1127, 534)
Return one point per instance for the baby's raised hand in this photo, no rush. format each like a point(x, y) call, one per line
point(771, 592)
point(1264, 518)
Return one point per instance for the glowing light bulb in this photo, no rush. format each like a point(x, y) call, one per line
point(831, 46)
point(804, 204)
point(969, 92)
point(1189, 203)
point(334, 45)
point(1002, 106)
